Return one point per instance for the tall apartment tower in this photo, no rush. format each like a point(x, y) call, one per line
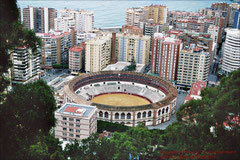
point(84, 21)
point(231, 53)
point(157, 12)
point(55, 48)
point(41, 20)
point(81, 20)
point(76, 58)
point(98, 53)
point(165, 54)
point(134, 16)
point(26, 64)
point(193, 66)
point(237, 20)
point(132, 47)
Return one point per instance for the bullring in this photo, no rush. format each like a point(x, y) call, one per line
point(160, 94)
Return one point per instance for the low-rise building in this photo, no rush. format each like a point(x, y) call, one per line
point(195, 90)
point(75, 122)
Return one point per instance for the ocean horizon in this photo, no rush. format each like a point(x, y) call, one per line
point(112, 13)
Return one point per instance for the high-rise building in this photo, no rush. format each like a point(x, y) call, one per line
point(193, 65)
point(165, 53)
point(75, 122)
point(76, 58)
point(237, 20)
point(233, 9)
point(63, 23)
point(134, 16)
point(26, 64)
point(55, 48)
point(156, 12)
point(41, 20)
point(231, 53)
point(132, 47)
point(98, 53)
point(81, 20)
point(150, 28)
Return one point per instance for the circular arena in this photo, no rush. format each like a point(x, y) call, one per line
point(127, 98)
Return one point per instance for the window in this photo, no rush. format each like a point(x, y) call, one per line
point(71, 130)
point(116, 115)
point(100, 114)
point(163, 110)
point(106, 114)
point(64, 129)
point(77, 125)
point(123, 116)
point(78, 131)
point(159, 112)
point(78, 136)
point(139, 115)
point(70, 124)
point(64, 134)
point(149, 113)
point(71, 135)
point(129, 116)
point(167, 110)
point(71, 119)
point(64, 118)
point(144, 114)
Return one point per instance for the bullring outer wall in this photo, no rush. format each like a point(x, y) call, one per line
point(151, 114)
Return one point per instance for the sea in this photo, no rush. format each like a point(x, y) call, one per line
point(111, 13)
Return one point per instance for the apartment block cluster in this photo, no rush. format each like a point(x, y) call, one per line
point(178, 46)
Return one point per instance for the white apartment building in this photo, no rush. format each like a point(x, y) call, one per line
point(132, 47)
point(81, 20)
point(84, 21)
point(193, 66)
point(214, 31)
point(84, 37)
point(55, 47)
point(26, 65)
point(75, 122)
point(64, 23)
point(134, 16)
point(98, 53)
point(231, 53)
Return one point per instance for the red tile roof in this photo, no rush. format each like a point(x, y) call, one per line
point(73, 109)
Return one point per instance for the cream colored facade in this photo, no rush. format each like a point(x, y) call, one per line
point(193, 66)
point(132, 46)
point(156, 12)
point(75, 122)
point(134, 16)
point(98, 53)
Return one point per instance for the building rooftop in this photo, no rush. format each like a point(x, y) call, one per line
point(120, 66)
point(76, 109)
point(76, 49)
point(196, 90)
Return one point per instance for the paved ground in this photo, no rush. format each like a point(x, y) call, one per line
point(180, 99)
point(52, 74)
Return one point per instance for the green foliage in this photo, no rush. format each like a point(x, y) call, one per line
point(57, 66)
point(136, 140)
point(111, 127)
point(27, 112)
point(195, 118)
